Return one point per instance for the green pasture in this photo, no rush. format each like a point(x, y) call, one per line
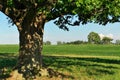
point(88, 50)
point(9, 49)
point(75, 62)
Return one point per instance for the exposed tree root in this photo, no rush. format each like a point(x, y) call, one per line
point(44, 74)
point(15, 76)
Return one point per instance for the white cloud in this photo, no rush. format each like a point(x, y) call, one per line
point(108, 35)
point(101, 36)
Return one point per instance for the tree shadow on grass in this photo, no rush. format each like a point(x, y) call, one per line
point(95, 64)
point(79, 61)
point(8, 61)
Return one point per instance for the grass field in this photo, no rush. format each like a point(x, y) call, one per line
point(77, 62)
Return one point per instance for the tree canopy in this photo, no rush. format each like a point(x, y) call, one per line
point(106, 40)
point(94, 38)
point(97, 11)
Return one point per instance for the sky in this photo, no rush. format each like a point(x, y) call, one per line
point(9, 34)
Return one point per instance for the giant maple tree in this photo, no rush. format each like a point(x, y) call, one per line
point(30, 17)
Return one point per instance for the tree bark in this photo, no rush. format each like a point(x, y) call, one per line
point(29, 63)
point(30, 59)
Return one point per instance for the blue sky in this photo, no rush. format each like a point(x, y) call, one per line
point(9, 35)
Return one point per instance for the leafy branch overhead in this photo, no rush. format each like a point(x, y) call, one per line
point(97, 11)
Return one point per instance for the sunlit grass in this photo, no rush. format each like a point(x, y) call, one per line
point(91, 50)
point(9, 48)
point(85, 68)
point(82, 62)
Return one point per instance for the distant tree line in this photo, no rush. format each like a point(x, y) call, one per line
point(118, 42)
point(77, 42)
point(93, 38)
point(47, 43)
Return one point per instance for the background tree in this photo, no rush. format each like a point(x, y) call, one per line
point(106, 40)
point(30, 17)
point(59, 43)
point(47, 43)
point(117, 42)
point(94, 38)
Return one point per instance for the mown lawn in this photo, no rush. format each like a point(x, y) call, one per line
point(76, 62)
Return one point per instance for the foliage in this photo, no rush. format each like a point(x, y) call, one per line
point(106, 40)
point(47, 43)
point(59, 42)
point(117, 42)
point(94, 38)
point(97, 11)
point(77, 42)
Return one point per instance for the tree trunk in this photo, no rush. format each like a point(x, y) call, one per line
point(30, 59)
point(31, 40)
